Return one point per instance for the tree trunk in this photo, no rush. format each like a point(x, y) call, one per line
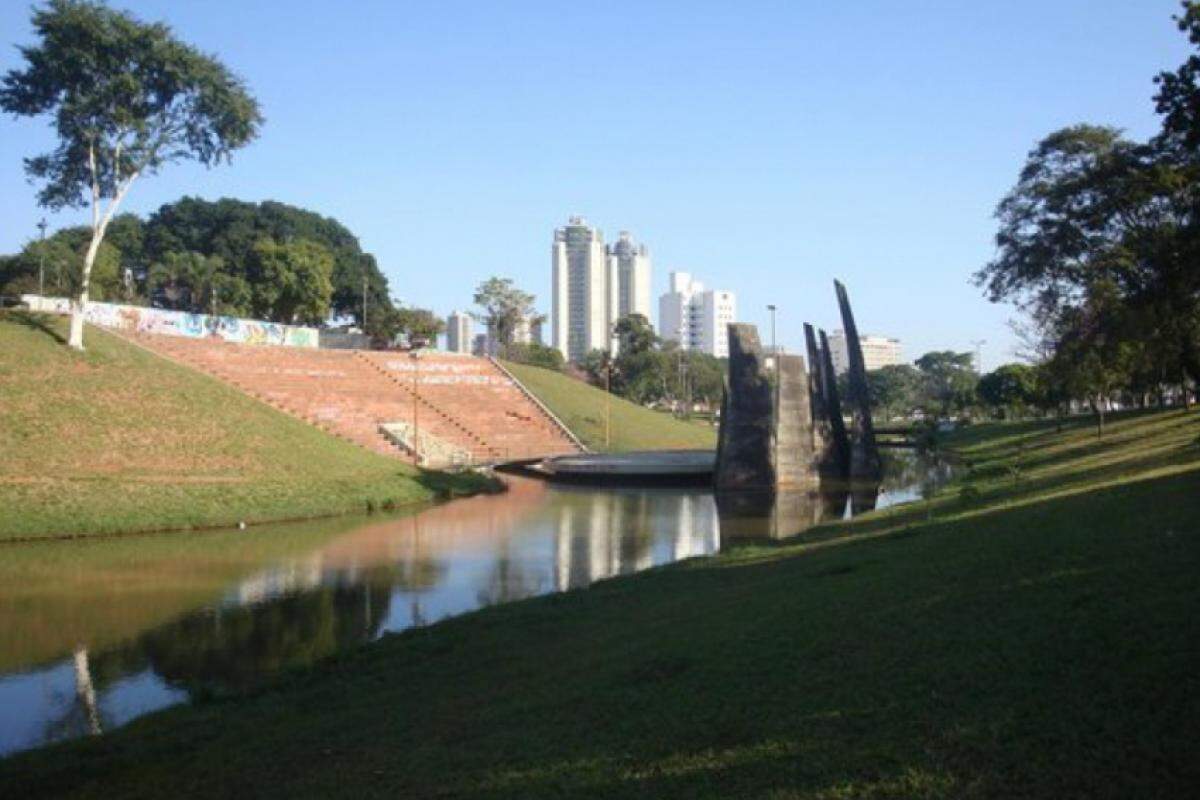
point(1098, 407)
point(79, 306)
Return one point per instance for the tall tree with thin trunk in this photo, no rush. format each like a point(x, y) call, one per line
point(126, 98)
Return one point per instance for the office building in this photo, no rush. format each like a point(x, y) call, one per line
point(458, 332)
point(878, 351)
point(592, 286)
point(696, 317)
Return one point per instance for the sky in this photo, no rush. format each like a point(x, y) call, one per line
point(765, 147)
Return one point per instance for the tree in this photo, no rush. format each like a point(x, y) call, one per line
point(127, 99)
point(948, 380)
point(537, 355)
point(420, 324)
point(1009, 388)
point(291, 282)
point(894, 389)
point(634, 334)
point(505, 308)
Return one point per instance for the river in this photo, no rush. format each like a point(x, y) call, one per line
point(96, 633)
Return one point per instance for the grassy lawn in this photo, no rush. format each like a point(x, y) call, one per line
point(1033, 635)
point(116, 440)
point(581, 408)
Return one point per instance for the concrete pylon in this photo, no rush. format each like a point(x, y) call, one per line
point(865, 463)
point(839, 463)
point(795, 459)
point(745, 452)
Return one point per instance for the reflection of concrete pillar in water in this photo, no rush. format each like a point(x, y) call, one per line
point(864, 456)
point(562, 551)
point(85, 692)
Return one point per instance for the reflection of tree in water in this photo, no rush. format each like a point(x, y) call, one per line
point(230, 649)
point(508, 579)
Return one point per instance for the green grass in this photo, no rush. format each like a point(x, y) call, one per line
point(1034, 637)
point(632, 427)
point(117, 440)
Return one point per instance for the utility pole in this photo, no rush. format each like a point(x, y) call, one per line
point(364, 317)
point(42, 259)
point(416, 359)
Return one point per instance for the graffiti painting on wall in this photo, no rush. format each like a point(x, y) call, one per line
point(181, 323)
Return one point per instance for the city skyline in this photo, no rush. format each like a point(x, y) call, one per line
point(796, 162)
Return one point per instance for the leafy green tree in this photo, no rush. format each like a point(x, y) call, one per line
point(537, 355)
point(894, 389)
point(127, 98)
point(1094, 355)
point(635, 335)
point(503, 309)
point(1009, 389)
point(420, 324)
point(290, 283)
point(948, 380)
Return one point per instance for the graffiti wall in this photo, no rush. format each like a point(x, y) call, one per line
point(181, 323)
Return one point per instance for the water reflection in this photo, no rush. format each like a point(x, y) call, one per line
point(269, 611)
point(93, 634)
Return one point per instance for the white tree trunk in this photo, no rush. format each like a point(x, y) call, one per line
point(79, 306)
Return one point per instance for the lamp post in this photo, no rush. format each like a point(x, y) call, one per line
point(42, 259)
point(608, 390)
point(415, 355)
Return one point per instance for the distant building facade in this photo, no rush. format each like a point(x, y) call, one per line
point(458, 332)
point(695, 317)
point(878, 351)
point(592, 286)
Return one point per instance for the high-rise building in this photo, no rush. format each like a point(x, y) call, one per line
point(458, 332)
point(628, 278)
point(592, 286)
point(696, 317)
point(878, 351)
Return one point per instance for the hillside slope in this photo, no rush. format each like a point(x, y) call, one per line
point(117, 440)
point(581, 408)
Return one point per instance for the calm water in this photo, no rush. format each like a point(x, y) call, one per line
point(93, 634)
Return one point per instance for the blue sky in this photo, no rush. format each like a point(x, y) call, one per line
point(766, 147)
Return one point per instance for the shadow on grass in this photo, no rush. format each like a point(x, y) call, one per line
point(37, 322)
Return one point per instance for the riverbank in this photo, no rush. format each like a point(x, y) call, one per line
point(581, 408)
point(1029, 632)
point(117, 440)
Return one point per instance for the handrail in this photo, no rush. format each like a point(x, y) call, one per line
point(537, 402)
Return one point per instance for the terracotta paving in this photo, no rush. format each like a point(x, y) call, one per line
point(462, 400)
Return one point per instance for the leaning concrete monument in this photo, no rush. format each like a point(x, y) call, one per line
point(786, 431)
point(830, 446)
point(745, 446)
point(865, 463)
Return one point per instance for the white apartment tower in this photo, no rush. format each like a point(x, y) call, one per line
point(592, 286)
point(458, 332)
point(696, 317)
point(628, 278)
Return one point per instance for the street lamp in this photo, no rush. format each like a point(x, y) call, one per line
point(415, 354)
point(42, 259)
point(612, 337)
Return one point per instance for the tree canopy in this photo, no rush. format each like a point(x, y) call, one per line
point(126, 98)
